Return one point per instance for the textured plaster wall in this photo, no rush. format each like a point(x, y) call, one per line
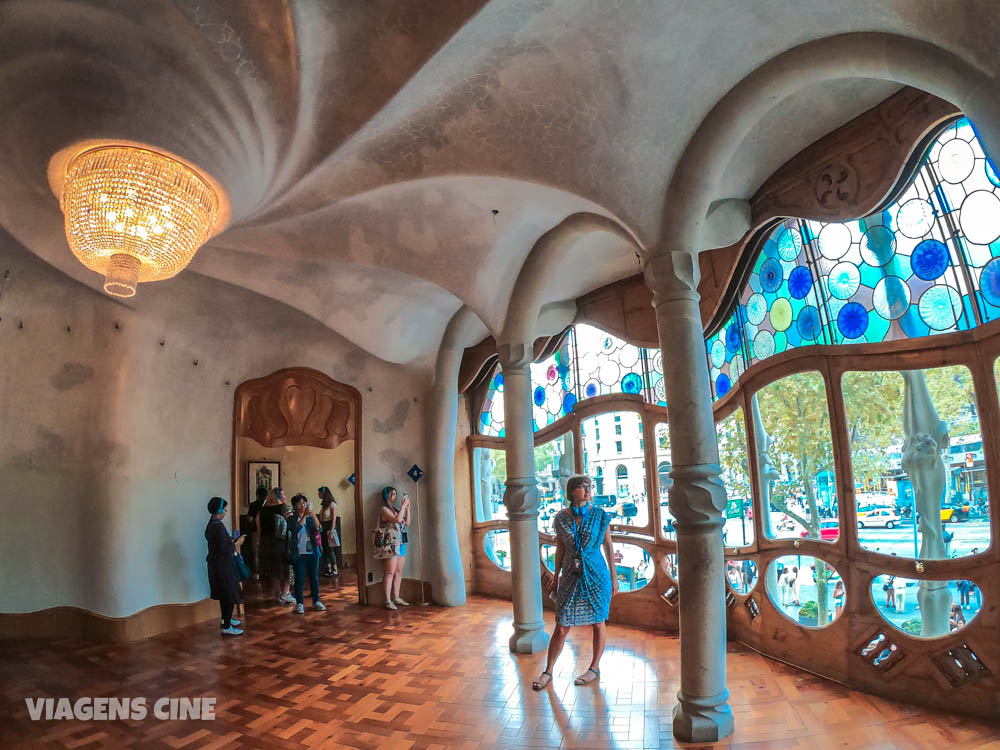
point(113, 438)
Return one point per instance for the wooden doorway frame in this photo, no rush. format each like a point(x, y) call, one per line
point(301, 406)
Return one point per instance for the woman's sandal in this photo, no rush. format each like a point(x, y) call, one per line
point(583, 679)
point(542, 682)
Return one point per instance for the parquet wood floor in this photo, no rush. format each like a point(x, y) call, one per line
point(426, 678)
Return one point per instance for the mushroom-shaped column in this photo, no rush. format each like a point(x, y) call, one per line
point(521, 499)
point(697, 499)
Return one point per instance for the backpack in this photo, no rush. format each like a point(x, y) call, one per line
point(280, 526)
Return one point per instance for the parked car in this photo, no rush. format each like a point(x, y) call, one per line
point(629, 510)
point(828, 530)
point(606, 501)
point(881, 517)
point(954, 512)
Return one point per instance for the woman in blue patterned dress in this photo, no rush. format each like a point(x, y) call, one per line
point(583, 583)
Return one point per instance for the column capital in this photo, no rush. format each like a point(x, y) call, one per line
point(521, 497)
point(697, 497)
point(515, 356)
point(672, 275)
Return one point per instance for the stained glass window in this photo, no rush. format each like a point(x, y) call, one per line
point(928, 263)
point(590, 362)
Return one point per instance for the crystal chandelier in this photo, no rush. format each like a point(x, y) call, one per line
point(135, 215)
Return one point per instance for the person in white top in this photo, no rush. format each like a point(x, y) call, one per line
point(899, 593)
point(796, 584)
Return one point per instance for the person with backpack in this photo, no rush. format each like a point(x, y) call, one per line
point(305, 545)
point(272, 530)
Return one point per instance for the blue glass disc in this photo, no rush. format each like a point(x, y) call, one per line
point(631, 383)
point(590, 390)
point(808, 324)
point(989, 282)
point(771, 275)
point(799, 282)
point(722, 385)
point(852, 320)
point(929, 260)
point(718, 353)
point(569, 401)
point(539, 395)
point(733, 338)
point(498, 381)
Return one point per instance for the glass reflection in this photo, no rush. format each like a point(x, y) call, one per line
point(497, 545)
point(806, 589)
point(613, 454)
point(633, 566)
point(663, 480)
point(554, 465)
point(490, 482)
point(742, 575)
point(899, 601)
point(738, 531)
point(549, 556)
point(795, 458)
point(917, 453)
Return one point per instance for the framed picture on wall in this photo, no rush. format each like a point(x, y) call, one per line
point(262, 474)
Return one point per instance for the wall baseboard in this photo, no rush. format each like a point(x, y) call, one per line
point(409, 589)
point(81, 624)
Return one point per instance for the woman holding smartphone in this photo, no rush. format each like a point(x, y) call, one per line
point(223, 580)
point(393, 576)
point(305, 531)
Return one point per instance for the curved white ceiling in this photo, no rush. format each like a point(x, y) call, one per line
point(365, 145)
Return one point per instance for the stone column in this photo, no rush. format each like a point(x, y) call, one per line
point(697, 499)
point(521, 499)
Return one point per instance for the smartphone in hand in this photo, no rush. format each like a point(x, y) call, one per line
point(236, 535)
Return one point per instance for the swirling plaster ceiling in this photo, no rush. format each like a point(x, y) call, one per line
point(366, 145)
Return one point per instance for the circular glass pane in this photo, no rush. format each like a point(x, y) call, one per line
point(940, 307)
point(718, 353)
point(929, 260)
point(808, 324)
point(722, 385)
point(878, 246)
point(844, 280)
point(980, 217)
point(989, 282)
point(834, 241)
point(799, 282)
point(915, 218)
point(781, 314)
point(891, 297)
point(756, 308)
point(852, 320)
point(956, 160)
point(789, 244)
point(771, 275)
point(763, 345)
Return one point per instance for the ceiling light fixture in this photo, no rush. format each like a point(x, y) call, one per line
point(134, 214)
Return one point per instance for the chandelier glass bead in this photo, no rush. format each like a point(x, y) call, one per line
point(134, 215)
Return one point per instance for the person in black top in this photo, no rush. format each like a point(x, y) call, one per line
point(273, 547)
point(223, 579)
point(255, 508)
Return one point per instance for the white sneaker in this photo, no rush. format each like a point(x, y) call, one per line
point(288, 599)
point(234, 622)
point(299, 609)
point(319, 606)
point(232, 631)
point(400, 602)
point(390, 605)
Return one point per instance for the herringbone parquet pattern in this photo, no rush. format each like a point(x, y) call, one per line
point(433, 678)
